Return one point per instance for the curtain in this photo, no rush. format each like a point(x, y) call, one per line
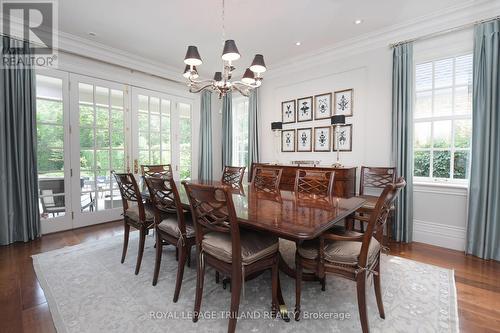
point(19, 214)
point(402, 138)
point(483, 229)
point(205, 163)
point(253, 129)
point(227, 130)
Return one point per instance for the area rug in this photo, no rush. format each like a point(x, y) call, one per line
point(88, 290)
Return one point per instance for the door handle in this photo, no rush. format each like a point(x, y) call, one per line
point(136, 166)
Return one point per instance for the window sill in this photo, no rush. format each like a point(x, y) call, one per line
point(464, 186)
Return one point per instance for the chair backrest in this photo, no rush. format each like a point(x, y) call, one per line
point(50, 191)
point(233, 175)
point(165, 198)
point(160, 170)
point(212, 208)
point(130, 192)
point(376, 177)
point(266, 179)
point(379, 216)
point(314, 183)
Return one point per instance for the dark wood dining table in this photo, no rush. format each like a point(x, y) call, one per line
point(285, 214)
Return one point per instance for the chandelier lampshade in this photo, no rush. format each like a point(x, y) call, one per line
point(230, 51)
point(218, 76)
point(248, 77)
point(258, 64)
point(190, 73)
point(192, 57)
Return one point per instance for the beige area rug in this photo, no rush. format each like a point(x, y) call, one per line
point(88, 290)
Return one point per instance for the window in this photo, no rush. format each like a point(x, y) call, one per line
point(240, 131)
point(185, 140)
point(443, 119)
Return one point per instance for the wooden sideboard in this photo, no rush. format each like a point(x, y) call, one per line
point(345, 177)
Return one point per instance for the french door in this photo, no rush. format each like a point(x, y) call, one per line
point(98, 143)
point(161, 131)
point(88, 127)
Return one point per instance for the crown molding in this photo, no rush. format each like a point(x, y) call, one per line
point(448, 18)
point(93, 50)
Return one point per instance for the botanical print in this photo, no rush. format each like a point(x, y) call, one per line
point(288, 141)
point(322, 138)
point(343, 138)
point(304, 109)
point(288, 111)
point(304, 139)
point(322, 106)
point(343, 102)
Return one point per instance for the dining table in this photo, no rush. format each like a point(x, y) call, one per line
point(293, 216)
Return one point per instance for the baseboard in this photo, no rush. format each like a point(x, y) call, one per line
point(442, 235)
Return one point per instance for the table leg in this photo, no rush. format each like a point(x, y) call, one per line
point(282, 306)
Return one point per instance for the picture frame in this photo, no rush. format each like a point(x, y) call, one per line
point(322, 139)
point(304, 139)
point(305, 109)
point(288, 140)
point(344, 100)
point(288, 111)
point(343, 138)
point(323, 106)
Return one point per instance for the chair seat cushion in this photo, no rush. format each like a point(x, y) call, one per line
point(133, 213)
point(171, 226)
point(340, 252)
point(254, 246)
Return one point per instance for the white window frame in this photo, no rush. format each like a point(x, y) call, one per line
point(432, 119)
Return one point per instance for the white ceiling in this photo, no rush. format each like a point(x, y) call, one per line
point(161, 30)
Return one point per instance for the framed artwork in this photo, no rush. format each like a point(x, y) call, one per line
point(343, 102)
point(304, 141)
point(288, 140)
point(343, 138)
point(305, 109)
point(288, 112)
point(323, 106)
point(322, 138)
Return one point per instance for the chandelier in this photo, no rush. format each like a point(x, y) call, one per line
point(221, 83)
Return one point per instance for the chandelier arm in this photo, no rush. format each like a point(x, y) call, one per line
point(248, 85)
point(244, 92)
point(191, 81)
point(194, 89)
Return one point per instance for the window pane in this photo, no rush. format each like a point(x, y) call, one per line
point(50, 136)
point(463, 100)
point(154, 104)
point(463, 70)
point(442, 134)
point(155, 157)
point(86, 159)
point(154, 123)
point(461, 165)
point(443, 73)
point(49, 159)
point(49, 111)
point(117, 99)
point(423, 75)
point(443, 102)
point(102, 96)
point(185, 140)
point(422, 163)
point(86, 137)
point(165, 106)
point(422, 135)
point(143, 103)
point(117, 119)
point(143, 122)
point(102, 138)
point(86, 93)
point(102, 117)
point(154, 141)
point(165, 157)
point(441, 164)
point(117, 159)
point(49, 88)
point(144, 140)
point(423, 104)
point(86, 115)
point(463, 133)
point(102, 160)
point(144, 157)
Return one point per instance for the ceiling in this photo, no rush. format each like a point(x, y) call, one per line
point(161, 30)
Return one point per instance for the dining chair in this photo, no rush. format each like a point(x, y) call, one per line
point(233, 175)
point(173, 226)
point(352, 255)
point(314, 183)
point(374, 179)
point(136, 213)
point(266, 179)
point(222, 244)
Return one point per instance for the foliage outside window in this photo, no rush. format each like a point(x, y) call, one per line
point(443, 119)
point(240, 131)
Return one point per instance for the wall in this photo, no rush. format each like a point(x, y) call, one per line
point(439, 211)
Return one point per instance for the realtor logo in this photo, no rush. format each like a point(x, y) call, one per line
point(34, 22)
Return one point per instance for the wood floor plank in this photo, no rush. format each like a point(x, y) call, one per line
point(23, 307)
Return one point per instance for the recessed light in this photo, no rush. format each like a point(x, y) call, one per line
point(93, 34)
point(298, 43)
point(358, 21)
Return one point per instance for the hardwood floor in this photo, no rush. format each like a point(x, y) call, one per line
point(23, 307)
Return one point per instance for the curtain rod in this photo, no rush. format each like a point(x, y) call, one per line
point(443, 32)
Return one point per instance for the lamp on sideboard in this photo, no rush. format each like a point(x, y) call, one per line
point(276, 127)
point(336, 121)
